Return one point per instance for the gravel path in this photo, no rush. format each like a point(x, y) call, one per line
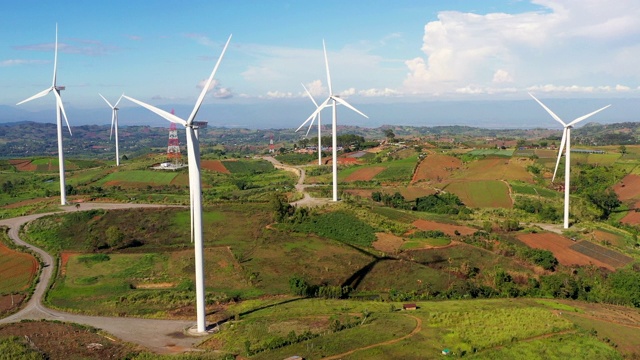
point(307, 200)
point(162, 336)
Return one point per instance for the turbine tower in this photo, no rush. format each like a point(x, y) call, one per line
point(334, 99)
point(195, 189)
point(311, 124)
point(114, 122)
point(565, 143)
point(59, 110)
point(173, 147)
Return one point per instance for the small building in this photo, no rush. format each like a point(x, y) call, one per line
point(409, 306)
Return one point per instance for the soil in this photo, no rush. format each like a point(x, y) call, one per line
point(23, 165)
point(436, 167)
point(365, 174)
point(628, 188)
point(633, 216)
point(66, 341)
point(445, 228)
point(214, 165)
point(9, 303)
point(560, 247)
point(387, 243)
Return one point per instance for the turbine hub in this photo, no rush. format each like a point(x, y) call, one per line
point(60, 87)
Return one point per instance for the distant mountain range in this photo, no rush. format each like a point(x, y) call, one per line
point(281, 114)
point(27, 138)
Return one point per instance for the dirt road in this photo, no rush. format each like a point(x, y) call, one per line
point(307, 200)
point(162, 336)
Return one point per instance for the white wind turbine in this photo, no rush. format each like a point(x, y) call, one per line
point(59, 110)
point(334, 99)
point(565, 143)
point(311, 124)
point(195, 190)
point(114, 122)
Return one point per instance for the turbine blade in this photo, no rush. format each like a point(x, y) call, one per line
point(548, 110)
point(586, 116)
point(160, 112)
point(318, 109)
point(562, 143)
point(310, 125)
point(55, 59)
point(113, 120)
point(310, 97)
point(326, 62)
point(343, 102)
point(107, 101)
point(206, 87)
point(61, 108)
point(40, 94)
point(118, 102)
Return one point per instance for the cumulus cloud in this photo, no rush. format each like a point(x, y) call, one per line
point(281, 95)
point(215, 89)
point(386, 92)
point(587, 42)
point(316, 89)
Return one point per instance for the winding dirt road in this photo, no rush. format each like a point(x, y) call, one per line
point(162, 336)
point(307, 200)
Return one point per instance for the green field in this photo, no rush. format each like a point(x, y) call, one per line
point(143, 284)
point(138, 178)
point(522, 188)
point(397, 170)
point(489, 193)
point(484, 329)
point(492, 152)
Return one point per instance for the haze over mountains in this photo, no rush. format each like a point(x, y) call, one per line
point(269, 114)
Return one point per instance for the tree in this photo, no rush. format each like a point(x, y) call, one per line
point(622, 149)
point(115, 237)
point(606, 201)
point(388, 133)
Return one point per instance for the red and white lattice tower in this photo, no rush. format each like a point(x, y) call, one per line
point(173, 149)
point(272, 148)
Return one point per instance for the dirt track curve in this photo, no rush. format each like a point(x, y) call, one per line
point(307, 200)
point(417, 329)
point(162, 336)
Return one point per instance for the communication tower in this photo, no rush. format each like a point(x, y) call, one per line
point(173, 149)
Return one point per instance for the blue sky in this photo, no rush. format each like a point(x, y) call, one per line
point(379, 51)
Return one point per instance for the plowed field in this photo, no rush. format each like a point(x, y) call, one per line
point(436, 167)
point(365, 174)
point(16, 270)
point(560, 246)
point(445, 228)
point(214, 165)
point(628, 187)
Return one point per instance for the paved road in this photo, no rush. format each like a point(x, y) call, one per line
point(307, 200)
point(162, 336)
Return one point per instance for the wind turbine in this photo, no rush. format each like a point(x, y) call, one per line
point(334, 99)
point(311, 124)
point(565, 143)
point(114, 121)
point(59, 110)
point(195, 189)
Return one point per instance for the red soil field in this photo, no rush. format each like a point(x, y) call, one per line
point(498, 169)
point(628, 187)
point(632, 217)
point(214, 165)
point(16, 267)
point(365, 174)
point(445, 228)
point(560, 247)
point(23, 165)
point(436, 167)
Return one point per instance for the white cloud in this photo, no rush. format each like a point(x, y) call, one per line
point(16, 62)
point(316, 89)
point(348, 92)
point(280, 95)
point(586, 42)
point(502, 76)
point(386, 92)
point(215, 89)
